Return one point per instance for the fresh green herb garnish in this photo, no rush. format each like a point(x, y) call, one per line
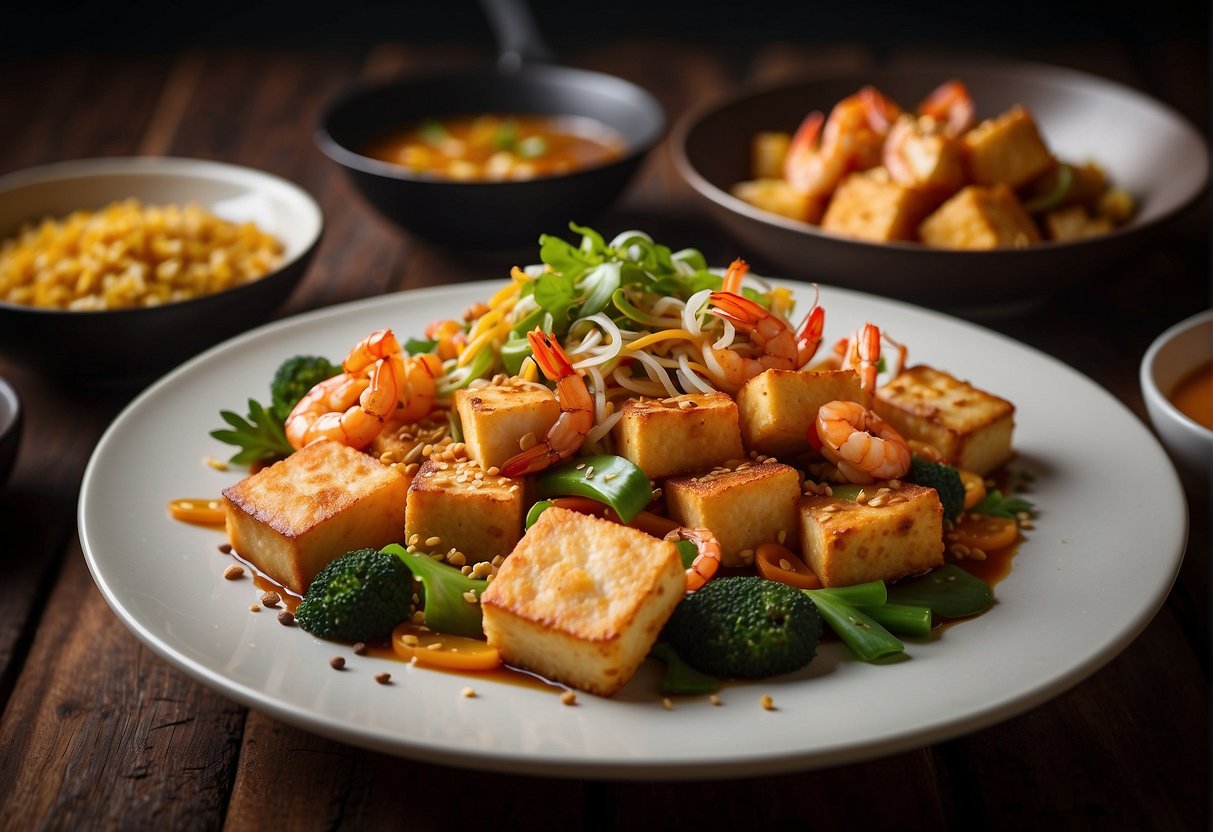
point(259, 435)
point(996, 505)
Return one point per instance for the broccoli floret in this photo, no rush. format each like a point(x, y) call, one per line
point(745, 627)
point(362, 594)
point(944, 479)
point(295, 377)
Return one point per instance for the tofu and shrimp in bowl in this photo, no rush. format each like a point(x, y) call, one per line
point(623, 454)
point(934, 175)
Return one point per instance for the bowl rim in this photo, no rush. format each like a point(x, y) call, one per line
point(1034, 71)
point(352, 159)
point(1155, 397)
point(103, 166)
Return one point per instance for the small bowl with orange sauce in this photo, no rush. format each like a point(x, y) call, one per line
point(1177, 384)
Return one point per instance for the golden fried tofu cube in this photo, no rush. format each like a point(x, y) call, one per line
point(496, 416)
point(743, 507)
point(886, 536)
point(932, 160)
point(581, 600)
point(687, 433)
point(970, 428)
point(1007, 150)
point(980, 218)
point(871, 206)
point(291, 519)
point(402, 445)
point(1074, 223)
point(768, 151)
point(778, 407)
point(778, 197)
point(466, 509)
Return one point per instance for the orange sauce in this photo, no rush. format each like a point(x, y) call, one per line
point(494, 148)
point(1194, 395)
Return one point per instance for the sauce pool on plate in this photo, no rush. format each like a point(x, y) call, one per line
point(497, 148)
point(1194, 395)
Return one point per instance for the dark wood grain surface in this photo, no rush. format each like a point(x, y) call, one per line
point(97, 732)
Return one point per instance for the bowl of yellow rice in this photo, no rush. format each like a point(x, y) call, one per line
point(113, 270)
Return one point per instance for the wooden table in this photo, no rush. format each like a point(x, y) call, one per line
point(98, 732)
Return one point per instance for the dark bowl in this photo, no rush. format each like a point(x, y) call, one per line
point(1143, 145)
point(10, 429)
point(124, 346)
point(489, 215)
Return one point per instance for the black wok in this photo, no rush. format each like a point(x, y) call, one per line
point(491, 215)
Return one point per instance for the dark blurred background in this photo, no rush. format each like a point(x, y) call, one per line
point(153, 25)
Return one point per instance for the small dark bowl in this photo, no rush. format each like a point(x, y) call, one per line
point(489, 215)
point(126, 346)
point(1161, 160)
point(10, 429)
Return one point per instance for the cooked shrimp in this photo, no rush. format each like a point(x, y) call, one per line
point(862, 445)
point(733, 275)
point(777, 345)
point(850, 139)
point(862, 353)
point(810, 331)
point(951, 104)
point(774, 342)
point(377, 381)
point(707, 558)
point(916, 152)
point(576, 410)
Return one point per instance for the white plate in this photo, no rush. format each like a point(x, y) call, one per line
point(1079, 592)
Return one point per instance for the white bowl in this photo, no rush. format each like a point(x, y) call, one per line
point(133, 344)
point(1177, 352)
point(10, 429)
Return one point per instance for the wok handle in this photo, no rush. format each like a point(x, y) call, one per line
point(518, 38)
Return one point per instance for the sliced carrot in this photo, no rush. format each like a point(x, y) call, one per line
point(779, 563)
point(201, 511)
point(411, 641)
point(980, 531)
point(975, 487)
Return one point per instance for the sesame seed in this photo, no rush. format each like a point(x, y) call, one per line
point(409, 639)
point(233, 572)
point(217, 464)
point(254, 608)
point(337, 662)
point(785, 565)
point(715, 699)
point(768, 704)
point(434, 645)
point(666, 703)
point(527, 441)
point(782, 536)
point(493, 471)
point(578, 466)
point(568, 698)
point(383, 678)
point(470, 596)
point(431, 542)
point(467, 693)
